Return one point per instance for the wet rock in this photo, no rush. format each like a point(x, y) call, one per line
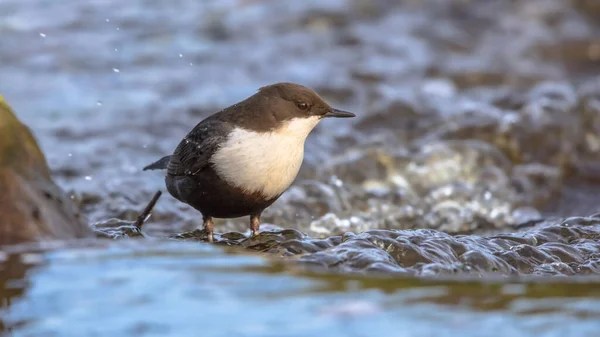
point(32, 206)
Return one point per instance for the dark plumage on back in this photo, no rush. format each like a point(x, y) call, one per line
point(194, 151)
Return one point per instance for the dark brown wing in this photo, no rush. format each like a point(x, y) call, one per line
point(194, 151)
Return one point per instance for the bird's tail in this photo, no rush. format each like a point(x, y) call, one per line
point(160, 164)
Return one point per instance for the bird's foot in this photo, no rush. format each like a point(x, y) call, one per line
point(209, 228)
point(254, 225)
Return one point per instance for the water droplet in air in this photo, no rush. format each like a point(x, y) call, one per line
point(42, 35)
point(180, 55)
point(116, 70)
point(336, 181)
point(88, 178)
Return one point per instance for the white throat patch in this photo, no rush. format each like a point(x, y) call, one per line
point(265, 162)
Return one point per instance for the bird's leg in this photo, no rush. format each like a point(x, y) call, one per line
point(254, 224)
point(209, 227)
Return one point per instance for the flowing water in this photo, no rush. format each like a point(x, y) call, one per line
point(460, 201)
point(178, 289)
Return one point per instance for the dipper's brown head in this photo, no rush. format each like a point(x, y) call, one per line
point(278, 104)
point(296, 101)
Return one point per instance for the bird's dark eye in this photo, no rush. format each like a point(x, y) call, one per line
point(302, 106)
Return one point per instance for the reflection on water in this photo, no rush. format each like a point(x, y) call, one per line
point(13, 280)
point(157, 288)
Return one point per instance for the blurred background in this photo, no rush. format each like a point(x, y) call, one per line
point(477, 134)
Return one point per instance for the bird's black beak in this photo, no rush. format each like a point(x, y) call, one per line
point(338, 114)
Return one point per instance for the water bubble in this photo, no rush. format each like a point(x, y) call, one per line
point(70, 154)
point(116, 49)
point(42, 35)
point(99, 103)
point(116, 70)
point(107, 20)
point(118, 28)
point(180, 55)
point(88, 178)
point(191, 64)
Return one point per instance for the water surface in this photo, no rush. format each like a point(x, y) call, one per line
point(177, 289)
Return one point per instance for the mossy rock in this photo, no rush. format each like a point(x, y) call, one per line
point(32, 207)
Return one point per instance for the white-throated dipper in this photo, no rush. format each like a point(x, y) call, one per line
point(238, 161)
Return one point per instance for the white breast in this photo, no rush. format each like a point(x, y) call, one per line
point(265, 162)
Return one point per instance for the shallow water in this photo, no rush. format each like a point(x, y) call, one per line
point(176, 289)
point(480, 131)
